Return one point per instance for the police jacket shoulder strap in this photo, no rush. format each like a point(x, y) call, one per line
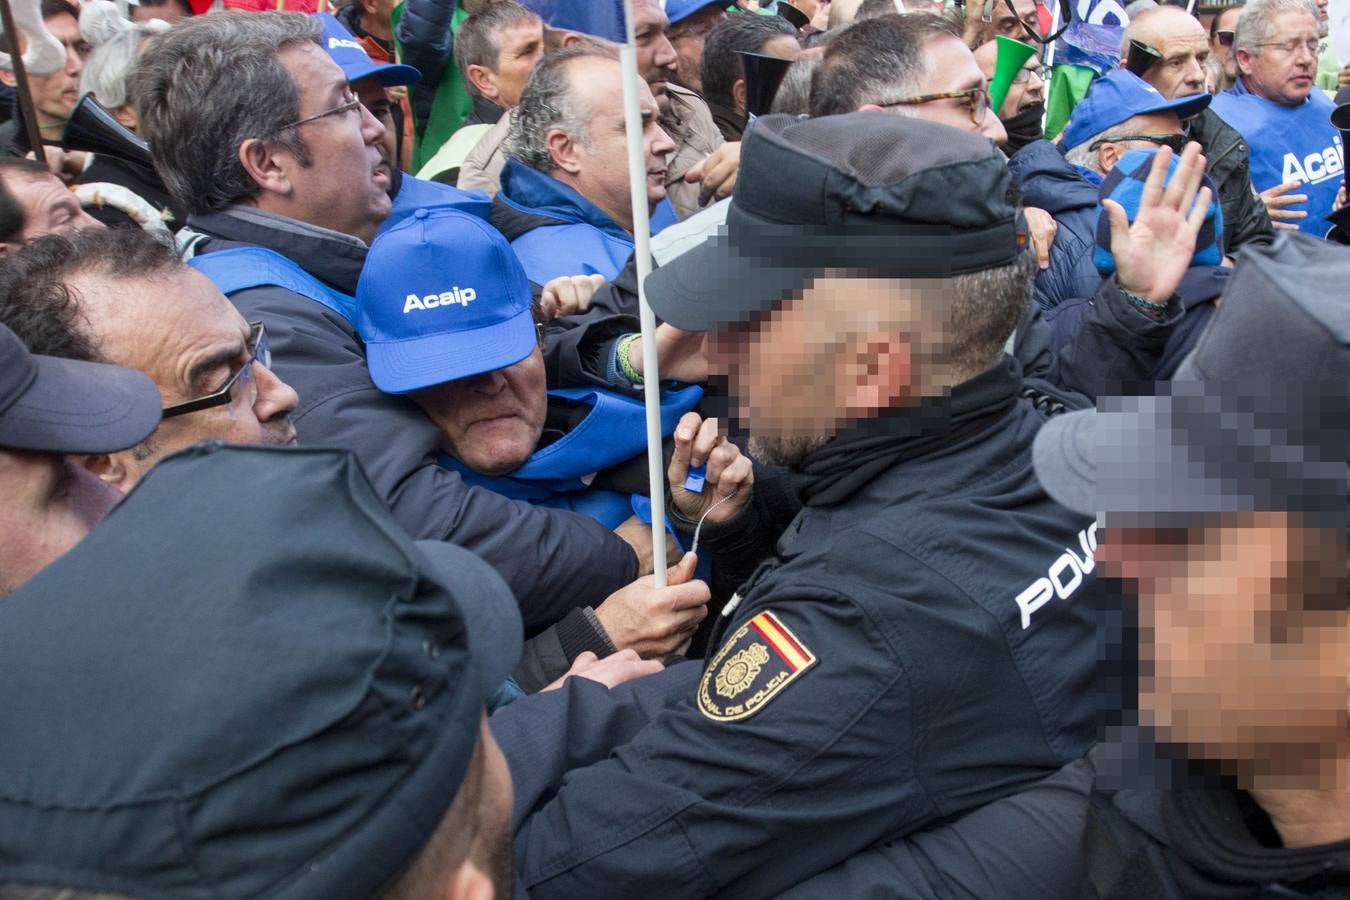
point(241, 268)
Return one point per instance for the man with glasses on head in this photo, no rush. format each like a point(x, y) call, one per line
point(1275, 106)
point(98, 296)
point(1180, 71)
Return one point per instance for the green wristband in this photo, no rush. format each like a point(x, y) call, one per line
point(626, 364)
point(1146, 305)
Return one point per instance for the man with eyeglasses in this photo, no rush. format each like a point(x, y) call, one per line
point(1277, 108)
point(1023, 109)
point(1179, 70)
point(256, 129)
point(99, 296)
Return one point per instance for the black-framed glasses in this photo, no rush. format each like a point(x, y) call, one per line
point(258, 352)
point(350, 103)
point(1225, 38)
point(976, 99)
point(1176, 141)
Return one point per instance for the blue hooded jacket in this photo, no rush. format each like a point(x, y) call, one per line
point(555, 231)
point(1049, 182)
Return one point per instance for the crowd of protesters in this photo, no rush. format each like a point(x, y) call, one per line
point(1006, 458)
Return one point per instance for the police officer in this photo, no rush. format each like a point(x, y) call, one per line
point(924, 641)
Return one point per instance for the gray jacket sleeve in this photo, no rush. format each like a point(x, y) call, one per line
point(553, 560)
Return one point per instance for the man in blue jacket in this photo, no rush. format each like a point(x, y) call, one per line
point(1277, 107)
point(296, 190)
point(924, 641)
point(564, 199)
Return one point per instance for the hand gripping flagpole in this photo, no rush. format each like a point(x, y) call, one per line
point(642, 237)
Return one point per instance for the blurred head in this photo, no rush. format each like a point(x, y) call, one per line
point(689, 36)
point(570, 125)
point(1013, 23)
point(723, 73)
point(116, 45)
point(280, 129)
point(1028, 85)
point(496, 49)
point(54, 95)
point(34, 202)
point(490, 422)
point(1276, 47)
point(892, 63)
point(170, 11)
point(100, 297)
point(656, 58)
point(1222, 31)
point(1184, 47)
point(1101, 151)
point(1244, 646)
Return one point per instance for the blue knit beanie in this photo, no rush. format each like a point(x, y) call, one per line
point(1125, 185)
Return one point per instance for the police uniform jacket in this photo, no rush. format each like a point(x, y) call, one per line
point(923, 644)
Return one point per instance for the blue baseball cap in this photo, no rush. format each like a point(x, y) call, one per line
point(677, 10)
point(442, 297)
point(1121, 95)
point(353, 59)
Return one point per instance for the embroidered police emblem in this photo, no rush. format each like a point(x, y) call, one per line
point(760, 659)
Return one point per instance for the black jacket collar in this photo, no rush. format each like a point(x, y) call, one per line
point(330, 256)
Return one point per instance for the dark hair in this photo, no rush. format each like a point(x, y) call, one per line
point(36, 301)
point(48, 9)
point(13, 217)
point(872, 9)
point(1214, 22)
point(721, 65)
point(872, 59)
point(207, 85)
point(985, 309)
point(478, 42)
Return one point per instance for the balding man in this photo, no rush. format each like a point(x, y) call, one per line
point(1183, 46)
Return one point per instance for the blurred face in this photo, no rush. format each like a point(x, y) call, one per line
point(49, 207)
point(490, 422)
point(1152, 124)
point(521, 46)
point(952, 67)
point(170, 12)
point(656, 58)
point(1004, 22)
point(50, 504)
point(55, 95)
point(345, 185)
point(1221, 48)
point(191, 349)
point(1283, 72)
point(1184, 47)
point(827, 356)
point(601, 161)
point(373, 96)
point(1239, 661)
point(688, 37)
point(1028, 86)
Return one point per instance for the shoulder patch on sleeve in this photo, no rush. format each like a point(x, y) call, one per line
point(759, 659)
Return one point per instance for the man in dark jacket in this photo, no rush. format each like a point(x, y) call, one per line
point(1183, 47)
point(924, 642)
point(296, 190)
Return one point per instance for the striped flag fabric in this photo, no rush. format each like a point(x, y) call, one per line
point(599, 18)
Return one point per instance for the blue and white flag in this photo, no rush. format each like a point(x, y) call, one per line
point(600, 18)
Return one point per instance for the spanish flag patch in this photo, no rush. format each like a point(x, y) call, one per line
point(760, 659)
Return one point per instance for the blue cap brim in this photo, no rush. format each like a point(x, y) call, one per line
point(391, 74)
point(410, 364)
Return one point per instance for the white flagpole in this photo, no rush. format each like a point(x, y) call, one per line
point(1050, 51)
point(642, 235)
